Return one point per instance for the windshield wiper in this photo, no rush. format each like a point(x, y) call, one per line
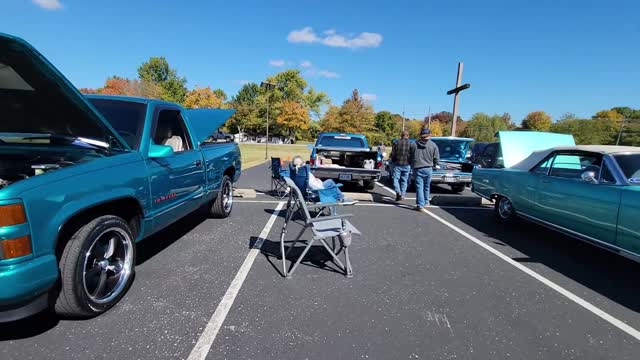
point(58, 139)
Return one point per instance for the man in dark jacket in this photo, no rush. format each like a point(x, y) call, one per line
point(401, 166)
point(424, 155)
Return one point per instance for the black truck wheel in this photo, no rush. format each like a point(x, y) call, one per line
point(458, 188)
point(96, 268)
point(223, 204)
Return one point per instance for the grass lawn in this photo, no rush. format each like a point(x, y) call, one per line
point(253, 154)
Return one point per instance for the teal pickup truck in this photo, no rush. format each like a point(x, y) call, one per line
point(82, 179)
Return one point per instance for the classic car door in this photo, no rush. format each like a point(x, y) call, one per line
point(177, 182)
point(567, 201)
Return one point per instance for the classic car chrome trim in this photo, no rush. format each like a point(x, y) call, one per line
point(576, 235)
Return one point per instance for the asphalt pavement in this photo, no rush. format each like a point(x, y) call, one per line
point(448, 284)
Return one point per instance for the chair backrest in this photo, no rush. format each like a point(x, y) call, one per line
point(275, 168)
point(300, 177)
point(296, 195)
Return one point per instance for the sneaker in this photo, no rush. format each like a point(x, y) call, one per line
point(421, 209)
point(398, 197)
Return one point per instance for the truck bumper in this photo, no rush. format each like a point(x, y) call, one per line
point(24, 287)
point(450, 178)
point(346, 174)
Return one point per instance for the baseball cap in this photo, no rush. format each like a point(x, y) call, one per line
point(425, 131)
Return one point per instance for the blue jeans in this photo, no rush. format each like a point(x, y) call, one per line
point(423, 185)
point(401, 178)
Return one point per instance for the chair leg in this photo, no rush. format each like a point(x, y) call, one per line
point(348, 262)
point(334, 256)
point(296, 240)
point(284, 258)
point(306, 249)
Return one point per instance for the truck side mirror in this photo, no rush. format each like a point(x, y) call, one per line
point(160, 151)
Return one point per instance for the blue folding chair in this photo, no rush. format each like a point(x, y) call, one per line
point(331, 194)
point(279, 187)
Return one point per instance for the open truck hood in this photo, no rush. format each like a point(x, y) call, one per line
point(205, 122)
point(35, 98)
point(518, 145)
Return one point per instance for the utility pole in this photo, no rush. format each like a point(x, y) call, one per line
point(402, 118)
point(456, 91)
point(429, 117)
point(620, 132)
point(267, 86)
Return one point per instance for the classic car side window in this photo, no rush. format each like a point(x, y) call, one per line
point(171, 131)
point(571, 166)
point(606, 175)
point(543, 169)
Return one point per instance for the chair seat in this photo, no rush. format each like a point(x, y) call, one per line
point(331, 228)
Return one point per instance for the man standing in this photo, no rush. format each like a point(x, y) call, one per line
point(401, 167)
point(424, 155)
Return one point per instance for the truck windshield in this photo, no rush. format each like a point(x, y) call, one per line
point(630, 165)
point(125, 117)
point(340, 141)
point(450, 149)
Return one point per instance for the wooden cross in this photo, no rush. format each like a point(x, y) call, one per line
point(457, 91)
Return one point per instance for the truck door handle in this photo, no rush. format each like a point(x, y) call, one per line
point(198, 163)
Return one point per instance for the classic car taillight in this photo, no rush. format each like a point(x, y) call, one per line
point(379, 164)
point(12, 215)
point(14, 248)
point(312, 161)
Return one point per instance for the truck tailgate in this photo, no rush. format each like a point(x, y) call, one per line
point(345, 174)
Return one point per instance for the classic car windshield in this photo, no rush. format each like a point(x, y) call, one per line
point(630, 165)
point(454, 150)
point(126, 117)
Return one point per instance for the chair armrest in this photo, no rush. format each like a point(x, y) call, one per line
point(321, 205)
point(332, 217)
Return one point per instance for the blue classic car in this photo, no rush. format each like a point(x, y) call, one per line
point(454, 169)
point(589, 192)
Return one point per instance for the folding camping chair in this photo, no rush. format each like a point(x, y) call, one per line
point(332, 194)
point(278, 185)
point(334, 227)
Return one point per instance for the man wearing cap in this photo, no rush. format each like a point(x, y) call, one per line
point(424, 155)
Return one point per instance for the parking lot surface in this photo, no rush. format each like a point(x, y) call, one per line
point(452, 283)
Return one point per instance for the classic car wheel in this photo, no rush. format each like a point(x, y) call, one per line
point(458, 188)
point(223, 204)
point(504, 209)
point(96, 268)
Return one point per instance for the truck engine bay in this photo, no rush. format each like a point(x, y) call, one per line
point(16, 166)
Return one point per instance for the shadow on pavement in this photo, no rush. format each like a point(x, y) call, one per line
point(149, 247)
point(606, 273)
point(29, 327)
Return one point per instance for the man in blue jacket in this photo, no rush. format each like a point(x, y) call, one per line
point(424, 155)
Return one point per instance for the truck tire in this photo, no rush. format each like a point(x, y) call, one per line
point(504, 210)
point(458, 188)
point(368, 184)
point(223, 204)
point(97, 268)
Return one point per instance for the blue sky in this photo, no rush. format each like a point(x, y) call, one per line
point(519, 56)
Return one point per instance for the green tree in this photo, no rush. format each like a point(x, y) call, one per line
point(157, 70)
point(315, 100)
point(483, 127)
point(537, 121)
point(354, 116)
point(247, 103)
point(608, 114)
point(220, 94)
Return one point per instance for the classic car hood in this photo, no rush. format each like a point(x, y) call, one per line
point(452, 149)
point(205, 122)
point(518, 145)
point(38, 99)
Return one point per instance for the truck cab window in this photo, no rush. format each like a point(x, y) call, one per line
point(171, 131)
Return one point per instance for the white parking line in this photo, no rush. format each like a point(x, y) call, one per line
point(386, 188)
point(566, 293)
point(209, 334)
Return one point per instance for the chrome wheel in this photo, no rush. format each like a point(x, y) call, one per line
point(227, 197)
point(505, 208)
point(108, 265)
